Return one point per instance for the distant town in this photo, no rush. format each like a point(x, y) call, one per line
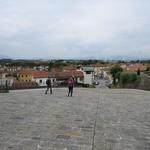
point(24, 74)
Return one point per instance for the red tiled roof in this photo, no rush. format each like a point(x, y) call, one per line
point(76, 73)
point(40, 74)
point(25, 72)
point(54, 73)
point(36, 74)
point(136, 67)
point(56, 70)
point(66, 74)
point(71, 67)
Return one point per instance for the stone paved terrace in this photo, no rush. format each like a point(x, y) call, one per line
point(93, 119)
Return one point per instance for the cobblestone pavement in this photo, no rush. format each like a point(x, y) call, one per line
point(93, 119)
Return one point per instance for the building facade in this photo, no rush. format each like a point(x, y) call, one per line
point(25, 75)
point(88, 73)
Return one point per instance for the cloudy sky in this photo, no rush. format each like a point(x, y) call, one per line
point(75, 28)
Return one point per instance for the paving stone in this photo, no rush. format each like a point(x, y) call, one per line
point(93, 119)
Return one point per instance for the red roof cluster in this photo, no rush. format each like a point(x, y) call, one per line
point(40, 74)
point(136, 67)
point(36, 74)
point(54, 74)
point(66, 74)
point(71, 67)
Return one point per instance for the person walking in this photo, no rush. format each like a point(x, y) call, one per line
point(70, 86)
point(49, 85)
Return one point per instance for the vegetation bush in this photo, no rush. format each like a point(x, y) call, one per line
point(129, 78)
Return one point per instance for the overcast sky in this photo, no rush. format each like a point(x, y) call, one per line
point(74, 28)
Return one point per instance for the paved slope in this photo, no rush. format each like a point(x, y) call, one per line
point(98, 119)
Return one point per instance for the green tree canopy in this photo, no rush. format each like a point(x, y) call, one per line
point(115, 71)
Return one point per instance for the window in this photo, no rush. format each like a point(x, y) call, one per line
point(26, 75)
point(88, 72)
point(40, 81)
point(53, 80)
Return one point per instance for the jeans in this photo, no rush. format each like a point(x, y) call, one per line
point(48, 88)
point(70, 90)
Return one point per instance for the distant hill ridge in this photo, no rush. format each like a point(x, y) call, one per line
point(4, 57)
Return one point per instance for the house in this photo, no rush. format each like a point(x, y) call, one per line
point(12, 69)
point(101, 70)
point(3, 75)
point(123, 66)
point(63, 76)
point(40, 77)
point(6, 83)
point(41, 68)
point(136, 67)
point(1, 68)
point(69, 68)
point(11, 80)
point(98, 67)
point(25, 75)
point(78, 75)
point(88, 73)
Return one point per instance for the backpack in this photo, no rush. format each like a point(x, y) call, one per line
point(48, 82)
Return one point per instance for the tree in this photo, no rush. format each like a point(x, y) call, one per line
point(118, 76)
point(57, 64)
point(138, 72)
point(148, 68)
point(50, 66)
point(115, 71)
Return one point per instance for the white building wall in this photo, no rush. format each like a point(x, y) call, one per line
point(9, 82)
point(42, 81)
point(88, 78)
point(79, 80)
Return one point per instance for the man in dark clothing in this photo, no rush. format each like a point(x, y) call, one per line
point(49, 85)
point(70, 86)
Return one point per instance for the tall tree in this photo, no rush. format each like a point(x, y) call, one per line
point(115, 71)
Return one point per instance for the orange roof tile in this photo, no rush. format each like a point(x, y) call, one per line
point(36, 74)
point(40, 74)
point(136, 67)
point(66, 74)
